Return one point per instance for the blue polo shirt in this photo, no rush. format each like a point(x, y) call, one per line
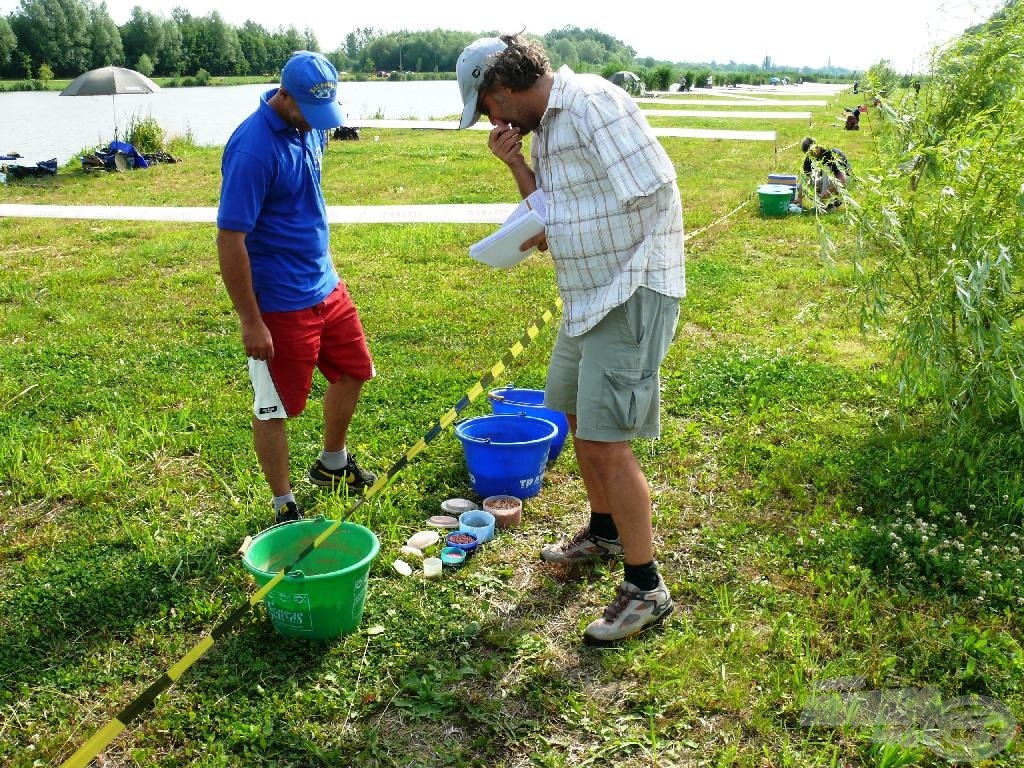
point(270, 189)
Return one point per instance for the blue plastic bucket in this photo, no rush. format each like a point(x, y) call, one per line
point(531, 403)
point(505, 453)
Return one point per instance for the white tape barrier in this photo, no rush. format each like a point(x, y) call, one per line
point(336, 214)
point(737, 115)
point(685, 102)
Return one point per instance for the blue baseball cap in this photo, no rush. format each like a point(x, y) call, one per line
point(312, 81)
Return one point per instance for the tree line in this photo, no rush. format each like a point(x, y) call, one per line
point(63, 38)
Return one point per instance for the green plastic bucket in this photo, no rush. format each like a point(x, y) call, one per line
point(322, 597)
point(775, 199)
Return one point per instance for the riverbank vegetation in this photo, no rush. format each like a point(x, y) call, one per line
point(35, 49)
point(820, 525)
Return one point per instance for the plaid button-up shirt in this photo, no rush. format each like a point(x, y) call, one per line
point(614, 215)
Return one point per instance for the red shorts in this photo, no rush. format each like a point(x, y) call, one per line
point(328, 336)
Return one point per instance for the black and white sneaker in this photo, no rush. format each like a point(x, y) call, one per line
point(352, 476)
point(289, 513)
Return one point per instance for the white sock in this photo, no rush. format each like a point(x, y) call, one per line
point(280, 501)
point(334, 460)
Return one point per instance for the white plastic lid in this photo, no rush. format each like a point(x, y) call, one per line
point(457, 506)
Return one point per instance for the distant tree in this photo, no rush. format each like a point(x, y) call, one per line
point(309, 41)
point(8, 45)
point(145, 65)
point(169, 55)
point(224, 54)
point(143, 33)
point(107, 48)
point(881, 76)
point(253, 38)
point(45, 73)
point(661, 78)
point(591, 52)
point(55, 32)
point(565, 51)
point(357, 40)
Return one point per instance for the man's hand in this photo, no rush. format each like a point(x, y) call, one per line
point(256, 338)
point(506, 143)
point(541, 241)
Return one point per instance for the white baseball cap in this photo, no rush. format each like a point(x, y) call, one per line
point(470, 69)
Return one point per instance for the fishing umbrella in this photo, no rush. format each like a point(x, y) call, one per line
point(628, 81)
point(110, 81)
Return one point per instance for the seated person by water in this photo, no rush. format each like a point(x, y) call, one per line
point(825, 171)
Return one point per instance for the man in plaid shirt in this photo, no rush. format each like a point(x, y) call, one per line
point(614, 227)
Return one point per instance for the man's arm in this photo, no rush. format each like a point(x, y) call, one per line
point(237, 275)
point(507, 145)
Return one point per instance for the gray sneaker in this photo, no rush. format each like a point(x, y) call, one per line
point(581, 548)
point(630, 612)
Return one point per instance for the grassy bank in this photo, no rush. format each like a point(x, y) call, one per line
point(795, 521)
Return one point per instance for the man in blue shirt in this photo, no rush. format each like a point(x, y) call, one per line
point(273, 248)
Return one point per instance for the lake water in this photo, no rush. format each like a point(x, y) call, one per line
point(40, 125)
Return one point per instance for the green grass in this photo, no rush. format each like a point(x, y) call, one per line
point(127, 482)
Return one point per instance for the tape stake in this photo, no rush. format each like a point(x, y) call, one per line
point(88, 751)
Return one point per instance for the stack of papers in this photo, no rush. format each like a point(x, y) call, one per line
point(501, 249)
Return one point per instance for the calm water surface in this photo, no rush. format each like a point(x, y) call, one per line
point(42, 125)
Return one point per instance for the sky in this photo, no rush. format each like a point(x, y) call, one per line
point(852, 35)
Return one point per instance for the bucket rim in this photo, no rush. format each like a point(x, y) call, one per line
point(461, 427)
point(500, 396)
point(297, 573)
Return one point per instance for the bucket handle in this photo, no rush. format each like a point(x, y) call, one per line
point(296, 574)
point(499, 398)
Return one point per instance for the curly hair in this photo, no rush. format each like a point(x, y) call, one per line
point(517, 67)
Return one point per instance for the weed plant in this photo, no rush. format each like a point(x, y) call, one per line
point(938, 220)
point(781, 487)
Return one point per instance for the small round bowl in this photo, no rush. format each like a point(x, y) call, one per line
point(507, 510)
point(432, 567)
point(463, 540)
point(478, 521)
point(453, 557)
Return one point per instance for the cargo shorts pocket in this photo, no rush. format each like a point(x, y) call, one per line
point(628, 397)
